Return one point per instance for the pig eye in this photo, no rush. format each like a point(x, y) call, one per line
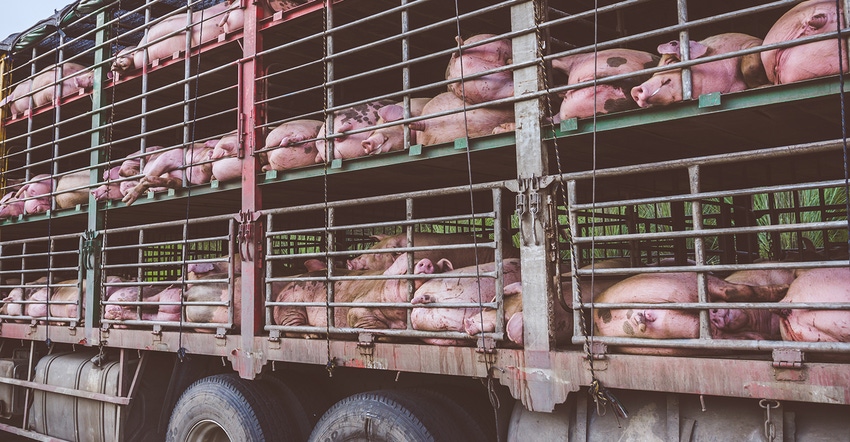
point(666, 81)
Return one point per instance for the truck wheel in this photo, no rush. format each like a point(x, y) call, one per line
point(226, 408)
point(385, 415)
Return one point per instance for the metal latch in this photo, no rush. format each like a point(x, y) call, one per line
point(91, 249)
point(788, 358)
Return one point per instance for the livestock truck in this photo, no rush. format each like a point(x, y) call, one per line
point(426, 220)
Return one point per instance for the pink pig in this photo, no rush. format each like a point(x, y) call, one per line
point(810, 60)
point(477, 59)
point(724, 76)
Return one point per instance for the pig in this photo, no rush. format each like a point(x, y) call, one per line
point(607, 97)
point(163, 170)
point(356, 117)
point(214, 292)
point(17, 294)
point(198, 270)
point(152, 312)
point(750, 323)
point(663, 288)
point(389, 139)
point(109, 190)
point(36, 194)
point(226, 166)
point(45, 87)
point(459, 257)
point(208, 24)
point(169, 312)
point(478, 122)
point(451, 289)
point(295, 150)
point(71, 189)
point(817, 285)
point(470, 61)
point(61, 293)
point(811, 60)
point(11, 206)
point(724, 76)
point(356, 290)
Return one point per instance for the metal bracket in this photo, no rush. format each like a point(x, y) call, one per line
point(788, 358)
point(157, 330)
point(366, 344)
point(529, 200)
point(249, 247)
point(220, 333)
point(598, 351)
point(274, 336)
point(91, 249)
point(486, 348)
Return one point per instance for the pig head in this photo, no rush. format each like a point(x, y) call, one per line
point(605, 97)
point(350, 145)
point(454, 289)
point(724, 76)
point(389, 139)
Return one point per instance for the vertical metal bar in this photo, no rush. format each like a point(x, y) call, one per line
point(251, 68)
point(574, 256)
point(685, 50)
point(143, 122)
point(329, 76)
point(411, 285)
point(532, 161)
point(30, 124)
point(405, 72)
point(497, 254)
point(329, 285)
point(699, 250)
point(189, 114)
point(99, 120)
point(268, 274)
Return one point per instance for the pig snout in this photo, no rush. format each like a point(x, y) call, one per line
point(424, 266)
point(423, 299)
point(373, 144)
point(651, 92)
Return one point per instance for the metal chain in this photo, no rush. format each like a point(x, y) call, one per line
point(769, 426)
point(331, 364)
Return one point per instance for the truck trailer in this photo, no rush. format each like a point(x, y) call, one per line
point(414, 220)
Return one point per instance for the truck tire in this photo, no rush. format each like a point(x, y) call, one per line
point(227, 408)
point(385, 415)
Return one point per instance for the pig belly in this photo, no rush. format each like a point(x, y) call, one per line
point(579, 103)
point(816, 326)
point(666, 324)
point(448, 128)
point(292, 157)
point(796, 63)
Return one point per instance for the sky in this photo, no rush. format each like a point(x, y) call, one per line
point(19, 15)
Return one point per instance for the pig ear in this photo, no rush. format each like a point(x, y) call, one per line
point(378, 236)
point(392, 112)
point(445, 265)
point(671, 47)
point(314, 264)
point(697, 49)
point(513, 289)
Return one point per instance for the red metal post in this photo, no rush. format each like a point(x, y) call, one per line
point(247, 360)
